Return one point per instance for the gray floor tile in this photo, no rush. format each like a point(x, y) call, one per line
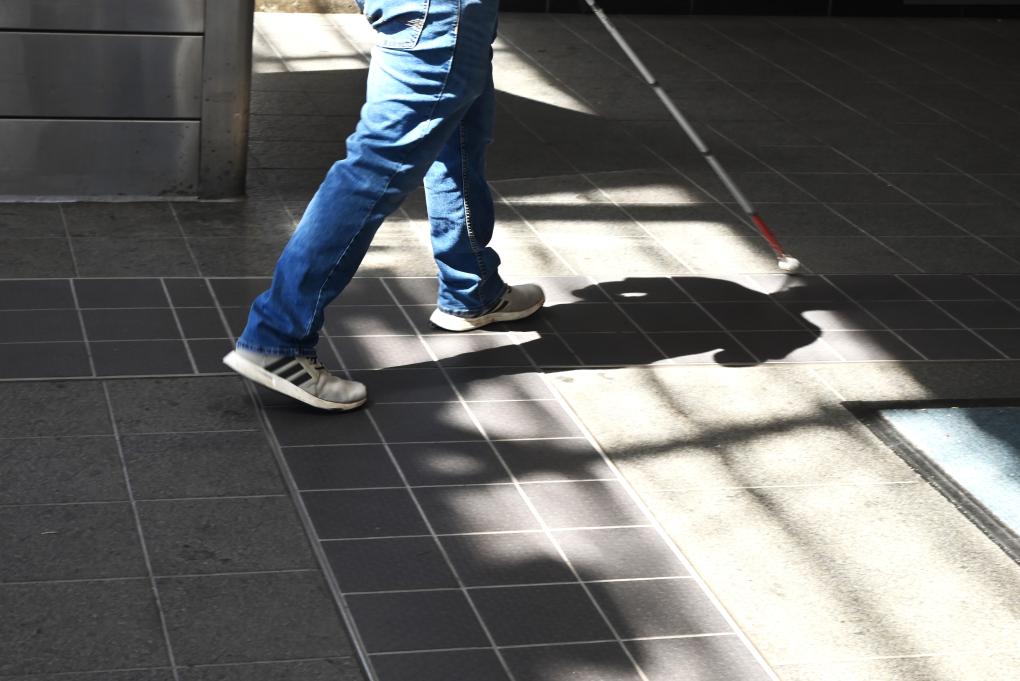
point(416, 621)
point(364, 513)
point(330, 669)
point(406, 385)
point(896, 219)
point(23, 258)
point(848, 188)
point(787, 346)
point(189, 292)
point(942, 188)
point(720, 288)
point(998, 219)
point(164, 674)
point(845, 315)
point(851, 255)
point(984, 314)
point(140, 324)
point(874, 287)
point(477, 350)
point(524, 419)
point(498, 384)
point(247, 219)
point(948, 287)
point(86, 541)
point(630, 290)
point(200, 322)
point(506, 558)
point(33, 326)
point(702, 347)
point(861, 346)
point(35, 295)
point(592, 661)
point(242, 618)
point(806, 219)
point(910, 314)
point(950, 345)
point(101, 293)
point(139, 358)
point(237, 256)
point(753, 316)
point(44, 360)
point(366, 320)
point(129, 257)
point(181, 405)
point(659, 607)
point(381, 352)
point(584, 504)
point(481, 508)
point(537, 460)
point(540, 614)
point(587, 318)
point(31, 220)
point(1006, 285)
point(1006, 340)
point(947, 255)
point(452, 463)
point(341, 467)
point(549, 351)
point(440, 666)
point(224, 535)
point(584, 219)
point(389, 564)
point(427, 422)
point(124, 220)
point(297, 424)
point(238, 291)
point(714, 658)
point(87, 625)
point(40, 409)
point(200, 465)
point(805, 159)
point(208, 354)
point(613, 349)
point(55, 470)
point(611, 553)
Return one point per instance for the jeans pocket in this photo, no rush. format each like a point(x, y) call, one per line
point(398, 23)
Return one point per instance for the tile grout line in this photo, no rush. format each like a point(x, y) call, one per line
point(157, 576)
point(534, 511)
point(187, 246)
point(180, 328)
point(486, 533)
point(84, 332)
point(153, 586)
point(461, 586)
point(326, 572)
point(517, 585)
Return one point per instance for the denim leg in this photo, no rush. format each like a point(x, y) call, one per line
point(461, 214)
point(418, 94)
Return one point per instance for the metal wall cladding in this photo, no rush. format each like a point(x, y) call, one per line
point(98, 158)
point(131, 16)
point(64, 75)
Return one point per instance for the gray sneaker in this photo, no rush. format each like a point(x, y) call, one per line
point(517, 303)
point(303, 378)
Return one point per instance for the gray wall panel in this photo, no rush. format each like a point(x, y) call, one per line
point(56, 75)
point(83, 158)
point(141, 16)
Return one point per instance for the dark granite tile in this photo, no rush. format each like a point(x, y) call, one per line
point(36, 326)
point(236, 219)
point(388, 564)
point(209, 353)
point(540, 614)
point(942, 187)
point(80, 541)
point(49, 628)
point(887, 219)
point(628, 290)
point(548, 351)
point(163, 674)
point(103, 257)
point(590, 661)
point(184, 465)
point(55, 470)
point(620, 553)
point(245, 618)
point(329, 669)
point(40, 409)
point(1006, 340)
point(753, 316)
point(406, 385)
point(364, 513)
point(984, 314)
point(584, 504)
point(440, 666)
point(506, 558)
point(477, 350)
point(1006, 285)
point(950, 255)
point(711, 658)
point(35, 295)
point(367, 320)
point(341, 467)
point(449, 463)
point(653, 317)
point(189, 292)
point(863, 346)
point(659, 607)
point(427, 422)
point(910, 314)
point(874, 287)
point(590, 317)
point(848, 188)
point(416, 621)
point(44, 360)
point(140, 324)
point(128, 220)
point(948, 287)
point(536, 460)
point(31, 220)
point(996, 219)
point(27, 258)
point(364, 291)
point(702, 347)
point(224, 535)
point(498, 384)
point(475, 508)
point(787, 346)
point(237, 256)
point(140, 358)
point(380, 352)
point(181, 405)
point(613, 349)
point(201, 322)
point(120, 293)
point(524, 418)
point(950, 345)
point(232, 292)
point(297, 424)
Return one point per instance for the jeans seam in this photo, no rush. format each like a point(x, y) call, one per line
point(468, 225)
point(389, 180)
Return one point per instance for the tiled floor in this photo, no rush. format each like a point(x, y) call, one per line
point(169, 522)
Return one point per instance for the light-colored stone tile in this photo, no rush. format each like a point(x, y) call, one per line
point(922, 380)
point(924, 668)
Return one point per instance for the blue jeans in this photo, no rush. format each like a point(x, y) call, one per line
point(428, 117)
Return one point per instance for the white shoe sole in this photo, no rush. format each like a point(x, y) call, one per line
point(254, 372)
point(451, 322)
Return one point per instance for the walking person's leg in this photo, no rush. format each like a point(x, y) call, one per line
point(430, 67)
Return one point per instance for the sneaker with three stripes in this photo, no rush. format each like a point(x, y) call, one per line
point(303, 378)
